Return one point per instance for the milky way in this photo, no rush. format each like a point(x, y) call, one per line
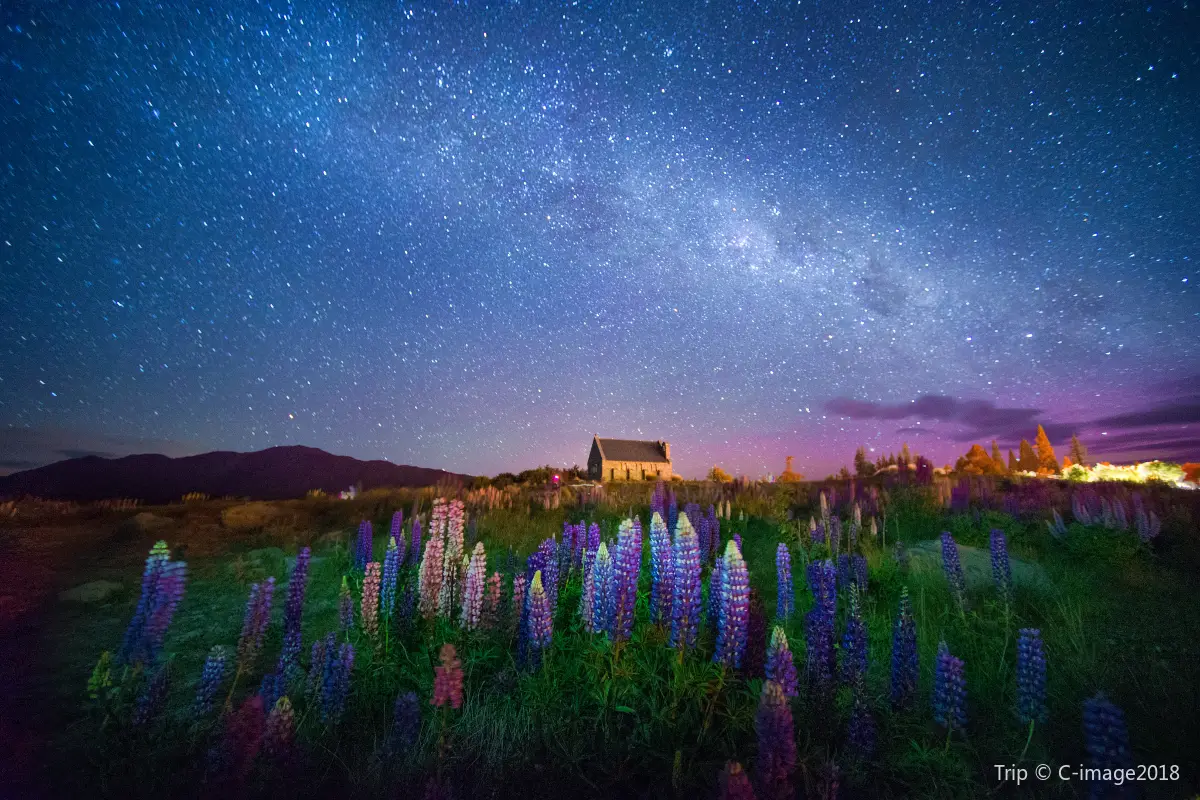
point(470, 236)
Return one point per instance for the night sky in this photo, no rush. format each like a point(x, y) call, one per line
point(471, 235)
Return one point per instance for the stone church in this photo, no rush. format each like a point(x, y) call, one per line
point(629, 460)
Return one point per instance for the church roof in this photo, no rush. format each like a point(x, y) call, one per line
point(631, 450)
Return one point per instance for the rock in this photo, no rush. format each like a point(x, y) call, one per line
point(91, 592)
point(977, 565)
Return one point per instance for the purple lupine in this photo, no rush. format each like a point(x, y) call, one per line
point(626, 568)
point(520, 582)
point(473, 590)
point(1107, 740)
point(345, 607)
point(905, 666)
point(604, 601)
point(593, 541)
point(541, 629)
point(171, 581)
point(949, 690)
point(658, 499)
point(363, 545)
point(776, 742)
point(845, 573)
point(735, 609)
point(714, 595)
point(587, 595)
point(335, 684)
point(133, 643)
point(211, 678)
point(406, 722)
point(279, 733)
point(819, 632)
point(408, 605)
point(322, 651)
point(550, 573)
point(822, 582)
point(954, 571)
point(392, 560)
point(835, 535)
point(397, 530)
point(817, 535)
point(1031, 676)
point(660, 568)
point(734, 784)
point(702, 538)
point(415, 553)
point(254, 624)
point(293, 610)
point(859, 564)
point(153, 697)
point(854, 644)
point(672, 511)
point(755, 656)
point(714, 536)
point(737, 539)
point(685, 588)
point(785, 599)
point(781, 667)
point(861, 732)
point(1001, 569)
point(272, 687)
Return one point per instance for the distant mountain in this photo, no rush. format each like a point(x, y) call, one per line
point(277, 473)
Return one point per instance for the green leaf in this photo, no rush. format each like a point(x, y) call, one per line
point(625, 710)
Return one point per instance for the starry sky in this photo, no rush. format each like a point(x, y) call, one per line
point(470, 235)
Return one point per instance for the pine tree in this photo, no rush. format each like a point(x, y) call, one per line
point(1078, 451)
point(997, 457)
point(1028, 460)
point(906, 458)
point(1046, 458)
point(1012, 461)
point(862, 467)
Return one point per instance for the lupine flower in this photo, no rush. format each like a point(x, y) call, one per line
point(754, 659)
point(1001, 569)
point(685, 588)
point(133, 642)
point(588, 593)
point(550, 571)
point(672, 512)
point(785, 602)
point(322, 651)
point(1031, 676)
point(345, 607)
point(448, 677)
point(714, 595)
point(272, 687)
point(153, 698)
point(949, 690)
point(845, 573)
point(279, 735)
point(293, 611)
point(854, 644)
point(370, 599)
point(661, 567)
point(166, 599)
point(817, 535)
point(861, 731)
point(702, 538)
point(859, 563)
point(254, 625)
point(734, 784)
point(416, 540)
point(363, 545)
point(819, 632)
point(406, 722)
point(335, 686)
point(1107, 739)
point(834, 529)
point(781, 668)
point(737, 539)
point(431, 575)
point(518, 599)
point(776, 742)
point(604, 600)
point(953, 569)
point(905, 667)
point(472, 603)
point(407, 605)
point(211, 678)
point(822, 581)
point(392, 559)
point(540, 621)
point(626, 568)
point(735, 611)
point(491, 602)
point(447, 594)
point(233, 758)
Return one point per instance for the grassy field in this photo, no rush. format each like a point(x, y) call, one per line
point(595, 719)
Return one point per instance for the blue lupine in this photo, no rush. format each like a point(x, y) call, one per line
point(587, 595)
point(604, 600)
point(167, 594)
point(905, 665)
point(1031, 676)
point(714, 595)
point(627, 566)
point(781, 667)
point(397, 529)
point(861, 733)
point(134, 633)
point(685, 585)
point(363, 545)
point(550, 574)
point(322, 651)
point(1001, 569)
point(735, 609)
point(819, 632)
point(672, 512)
point(541, 624)
point(335, 686)
point(293, 611)
point(211, 678)
point(845, 573)
point(661, 569)
point(406, 722)
point(392, 559)
point(714, 536)
point(153, 697)
point(1107, 740)
point(776, 742)
point(254, 624)
point(415, 554)
point(272, 687)
point(949, 690)
point(785, 598)
point(953, 569)
point(859, 564)
point(702, 534)
point(817, 534)
point(835, 535)
point(854, 643)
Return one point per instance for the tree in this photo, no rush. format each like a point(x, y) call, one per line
point(1046, 459)
point(978, 462)
point(719, 475)
point(1012, 461)
point(862, 467)
point(789, 475)
point(997, 457)
point(906, 457)
point(1078, 451)
point(844, 474)
point(1027, 460)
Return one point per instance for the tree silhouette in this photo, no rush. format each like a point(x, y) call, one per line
point(999, 459)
